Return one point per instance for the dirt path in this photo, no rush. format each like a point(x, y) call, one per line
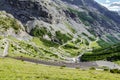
point(5, 53)
point(84, 65)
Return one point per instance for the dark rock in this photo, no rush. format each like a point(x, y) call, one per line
point(26, 10)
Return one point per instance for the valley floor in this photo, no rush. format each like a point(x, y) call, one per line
point(11, 69)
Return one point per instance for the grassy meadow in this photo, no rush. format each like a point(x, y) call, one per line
point(11, 69)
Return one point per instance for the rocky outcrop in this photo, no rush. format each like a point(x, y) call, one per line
point(26, 10)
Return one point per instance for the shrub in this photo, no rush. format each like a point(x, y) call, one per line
point(115, 71)
point(92, 68)
point(106, 69)
point(22, 60)
point(77, 67)
point(71, 46)
point(63, 66)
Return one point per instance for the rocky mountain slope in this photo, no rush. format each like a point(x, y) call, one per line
point(57, 29)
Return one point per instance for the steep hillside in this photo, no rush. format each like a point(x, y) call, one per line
point(111, 53)
point(73, 17)
point(57, 29)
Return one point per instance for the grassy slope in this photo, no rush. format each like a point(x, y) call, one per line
point(11, 69)
point(7, 22)
point(111, 53)
point(118, 62)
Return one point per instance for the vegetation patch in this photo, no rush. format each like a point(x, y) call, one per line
point(49, 43)
point(40, 32)
point(111, 53)
point(103, 44)
point(63, 38)
point(83, 16)
point(113, 39)
point(7, 22)
point(70, 46)
point(84, 34)
point(115, 71)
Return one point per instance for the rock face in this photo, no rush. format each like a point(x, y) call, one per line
point(50, 11)
point(97, 11)
point(63, 21)
point(26, 10)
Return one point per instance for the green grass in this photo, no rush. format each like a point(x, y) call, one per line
point(72, 52)
point(94, 45)
point(11, 69)
point(40, 31)
point(103, 44)
point(63, 38)
point(7, 22)
point(111, 53)
point(25, 48)
point(70, 46)
point(118, 62)
point(83, 16)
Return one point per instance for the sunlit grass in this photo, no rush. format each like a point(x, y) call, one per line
point(11, 69)
point(118, 62)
